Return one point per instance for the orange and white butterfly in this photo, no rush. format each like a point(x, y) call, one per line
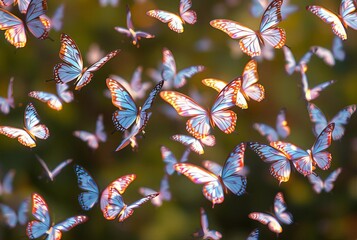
point(202, 120)
point(93, 139)
point(8, 102)
point(32, 128)
point(347, 17)
point(194, 144)
point(281, 215)
point(52, 100)
point(252, 41)
point(175, 22)
point(249, 89)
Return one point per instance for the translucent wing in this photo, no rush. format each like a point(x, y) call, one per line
point(32, 120)
point(317, 183)
point(314, 92)
point(337, 49)
point(175, 23)
point(341, 119)
point(348, 13)
point(99, 130)
point(330, 180)
point(64, 93)
point(60, 166)
point(317, 117)
point(329, 18)
point(137, 86)
point(22, 136)
point(208, 234)
point(212, 188)
point(216, 84)
point(266, 131)
point(50, 99)
point(23, 210)
point(325, 54)
point(194, 144)
point(186, 14)
point(41, 225)
point(254, 235)
point(6, 103)
point(213, 167)
point(168, 66)
point(282, 125)
point(290, 63)
point(280, 209)
point(180, 78)
point(70, 223)
point(266, 219)
point(9, 215)
point(257, 7)
point(250, 88)
point(89, 197)
point(39, 26)
point(113, 204)
point(323, 141)
point(150, 100)
point(169, 159)
point(14, 29)
point(87, 137)
point(57, 19)
point(165, 193)
point(7, 183)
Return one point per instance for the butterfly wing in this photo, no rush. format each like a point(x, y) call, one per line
point(266, 219)
point(9, 215)
point(341, 119)
point(99, 130)
point(180, 78)
point(22, 136)
point(57, 19)
point(249, 87)
point(337, 49)
point(169, 159)
point(313, 93)
point(70, 223)
point(290, 62)
point(90, 196)
point(186, 14)
point(280, 209)
point(32, 120)
point(216, 84)
point(6, 103)
point(39, 26)
point(39, 227)
point(329, 18)
point(213, 167)
point(60, 166)
point(175, 23)
point(165, 193)
point(281, 124)
point(50, 99)
point(317, 117)
point(348, 13)
point(212, 188)
point(254, 235)
point(323, 158)
point(64, 93)
point(14, 29)
point(191, 142)
point(317, 183)
point(330, 180)
point(168, 66)
point(150, 100)
point(7, 182)
point(23, 210)
point(266, 131)
point(87, 137)
point(249, 42)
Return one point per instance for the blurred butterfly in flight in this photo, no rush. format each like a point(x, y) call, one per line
point(204, 232)
point(318, 184)
point(93, 139)
point(6, 185)
point(11, 217)
point(53, 101)
point(347, 17)
point(251, 41)
point(249, 89)
point(8, 102)
point(104, 3)
point(337, 49)
point(57, 18)
point(72, 67)
point(128, 113)
point(36, 23)
point(136, 88)
point(282, 130)
point(170, 160)
point(130, 32)
point(254, 235)
point(194, 144)
point(174, 21)
point(42, 225)
point(32, 128)
point(291, 66)
point(340, 119)
point(171, 76)
point(214, 186)
point(165, 194)
point(313, 93)
point(52, 174)
point(258, 6)
point(280, 215)
point(202, 120)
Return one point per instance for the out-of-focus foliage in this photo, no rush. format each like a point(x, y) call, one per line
point(326, 216)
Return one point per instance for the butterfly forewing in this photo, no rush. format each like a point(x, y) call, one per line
point(89, 197)
point(39, 227)
point(14, 28)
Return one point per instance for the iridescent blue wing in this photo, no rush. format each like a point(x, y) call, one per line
point(90, 197)
point(39, 227)
point(39, 26)
point(50, 99)
point(266, 131)
point(169, 159)
point(149, 101)
point(6, 186)
point(70, 223)
point(254, 235)
point(280, 209)
point(330, 180)
point(23, 210)
point(114, 204)
point(341, 119)
point(180, 78)
point(32, 120)
point(9, 215)
point(323, 141)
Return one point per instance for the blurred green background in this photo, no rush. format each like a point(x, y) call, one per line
point(326, 216)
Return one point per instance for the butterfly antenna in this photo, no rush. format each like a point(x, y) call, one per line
point(114, 131)
point(50, 80)
point(50, 38)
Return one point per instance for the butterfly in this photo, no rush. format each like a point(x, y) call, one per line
point(170, 160)
point(252, 41)
point(337, 49)
point(104, 3)
point(42, 225)
point(202, 120)
point(282, 128)
point(22, 4)
point(313, 93)
point(136, 88)
point(214, 185)
point(291, 66)
point(249, 89)
point(204, 232)
point(32, 129)
point(165, 194)
point(128, 112)
point(281, 215)
point(171, 76)
point(72, 68)
point(57, 19)
point(254, 235)
point(305, 161)
point(94, 53)
point(340, 119)
point(217, 168)
point(175, 22)
point(90, 196)
point(52, 174)
point(53, 101)
point(117, 208)
point(347, 17)
point(36, 23)
point(318, 184)
point(258, 6)
point(11, 217)
point(279, 159)
point(130, 32)
point(6, 185)
point(8, 102)
point(194, 144)
point(93, 139)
